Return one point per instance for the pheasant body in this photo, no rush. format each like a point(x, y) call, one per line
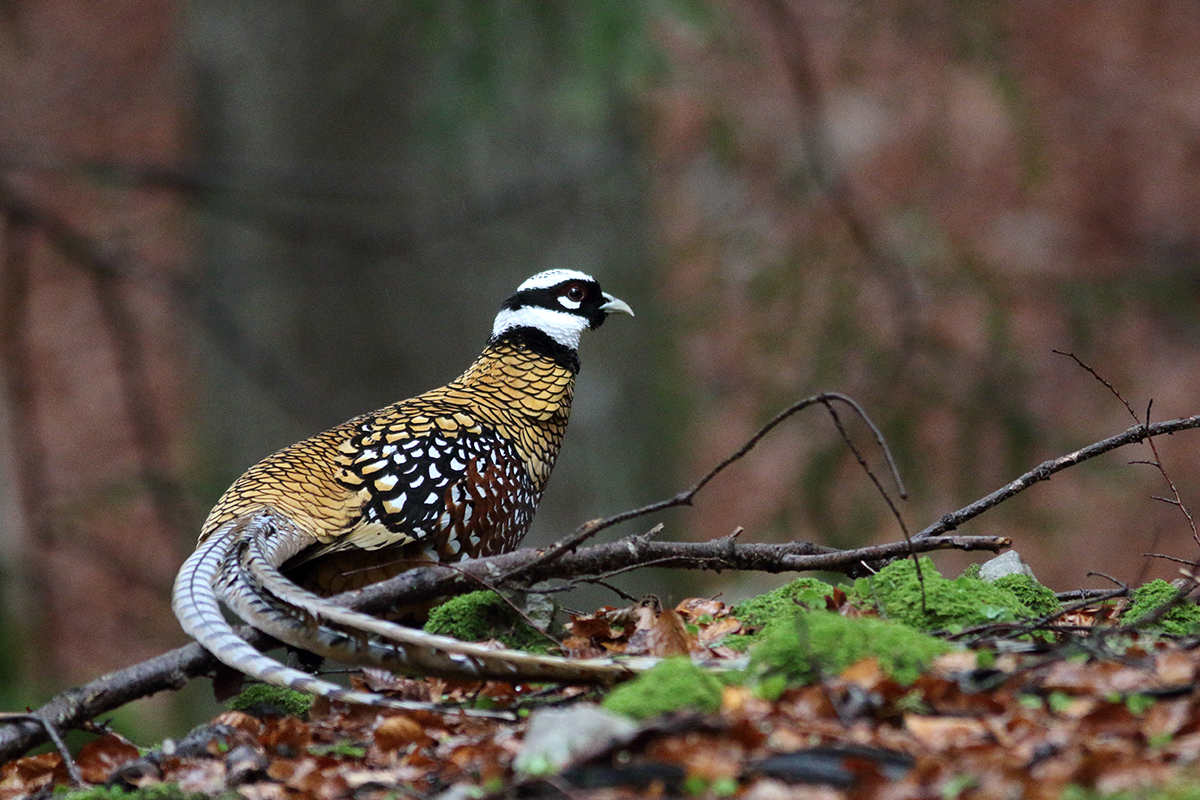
point(455, 472)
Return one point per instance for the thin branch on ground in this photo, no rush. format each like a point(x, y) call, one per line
point(1089, 595)
point(174, 669)
point(64, 752)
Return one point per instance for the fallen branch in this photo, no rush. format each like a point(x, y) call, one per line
point(719, 554)
point(173, 669)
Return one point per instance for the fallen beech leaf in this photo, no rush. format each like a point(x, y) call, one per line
point(99, 758)
point(742, 701)
point(694, 608)
point(716, 631)
point(239, 720)
point(26, 775)
point(1175, 667)
point(1099, 678)
point(864, 673)
point(666, 635)
point(206, 776)
point(288, 736)
point(703, 755)
point(1075, 707)
point(263, 790)
point(1166, 718)
point(944, 733)
point(399, 731)
point(384, 778)
point(956, 661)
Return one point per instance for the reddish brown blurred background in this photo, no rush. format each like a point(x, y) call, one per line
point(226, 228)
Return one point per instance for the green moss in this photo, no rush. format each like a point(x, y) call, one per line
point(480, 616)
point(739, 641)
point(153, 791)
point(1183, 790)
point(288, 701)
point(947, 605)
point(1040, 599)
point(972, 570)
point(799, 650)
point(674, 684)
point(343, 749)
point(756, 612)
point(1182, 620)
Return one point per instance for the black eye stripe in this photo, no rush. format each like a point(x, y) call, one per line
point(549, 297)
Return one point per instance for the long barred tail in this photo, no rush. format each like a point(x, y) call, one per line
point(238, 565)
point(198, 610)
point(294, 615)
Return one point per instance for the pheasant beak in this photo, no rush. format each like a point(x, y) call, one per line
point(612, 305)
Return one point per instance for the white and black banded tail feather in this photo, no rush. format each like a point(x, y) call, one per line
point(237, 565)
point(266, 599)
point(196, 605)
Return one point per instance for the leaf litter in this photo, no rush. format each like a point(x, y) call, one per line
point(1089, 708)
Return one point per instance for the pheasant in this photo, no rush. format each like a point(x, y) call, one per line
point(453, 473)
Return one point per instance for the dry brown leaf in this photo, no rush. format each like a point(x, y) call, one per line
point(100, 757)
point(694, 608)
point(944, 733)
point(716, 631)
point(661, 634)
point(396, 732)
point(1175, 667)
point(26, 775)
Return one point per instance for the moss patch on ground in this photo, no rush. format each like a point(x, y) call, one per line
point(1181, 620)
point(481, 616)
point(798, 651)
point(152, 791)
point(674, 684)
point(1040, 599)
point(756, 612)
point(947, 605)
point(258, 696)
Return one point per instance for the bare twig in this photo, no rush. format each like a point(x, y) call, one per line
point(1044, 470)
point(64, 752)
point(1191, 562)
point(685, 498)
point(1157, 462)
point(886, 498)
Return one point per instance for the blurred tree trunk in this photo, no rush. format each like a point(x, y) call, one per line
point(95, 366)
point(382, 179)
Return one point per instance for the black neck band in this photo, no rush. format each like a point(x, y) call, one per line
point(541, 343)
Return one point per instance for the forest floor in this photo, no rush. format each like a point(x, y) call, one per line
point(899, 685)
